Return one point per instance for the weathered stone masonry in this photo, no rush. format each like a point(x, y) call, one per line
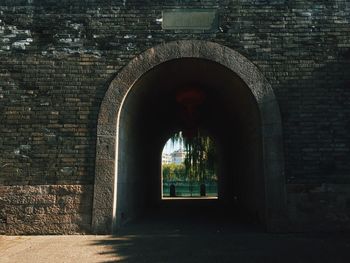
point(59, 57)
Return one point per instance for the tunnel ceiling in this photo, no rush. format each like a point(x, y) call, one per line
point(228, 105)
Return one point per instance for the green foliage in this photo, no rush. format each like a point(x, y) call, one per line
point(174, 172)
point(200, 160)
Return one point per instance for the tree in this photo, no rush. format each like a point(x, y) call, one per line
point(200, 160)
point(174, 172)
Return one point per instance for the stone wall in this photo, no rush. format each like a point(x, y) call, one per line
point(45, 209)
point(58, 58)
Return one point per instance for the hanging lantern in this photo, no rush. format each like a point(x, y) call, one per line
point(190, 99)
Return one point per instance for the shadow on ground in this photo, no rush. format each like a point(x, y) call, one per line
point(193, 240)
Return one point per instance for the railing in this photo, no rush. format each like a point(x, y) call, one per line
point(187, 189)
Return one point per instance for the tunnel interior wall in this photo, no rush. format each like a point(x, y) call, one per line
point(229, 114)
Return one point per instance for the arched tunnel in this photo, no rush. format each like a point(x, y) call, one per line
point(150, 115)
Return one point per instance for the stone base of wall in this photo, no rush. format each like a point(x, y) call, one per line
point(67, 209)
point(315, 208)
point(45, 209)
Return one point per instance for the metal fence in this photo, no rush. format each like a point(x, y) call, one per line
point(186, 189)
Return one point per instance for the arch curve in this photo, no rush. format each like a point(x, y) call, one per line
point(106, 174)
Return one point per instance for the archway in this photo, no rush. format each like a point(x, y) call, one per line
point(126, 151)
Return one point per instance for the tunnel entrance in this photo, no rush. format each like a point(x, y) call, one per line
point(229, 113)
point(140, 113)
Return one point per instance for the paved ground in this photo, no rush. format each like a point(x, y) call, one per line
point(52, 249)
point(173, 241)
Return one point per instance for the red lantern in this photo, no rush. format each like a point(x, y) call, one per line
point(190, 99)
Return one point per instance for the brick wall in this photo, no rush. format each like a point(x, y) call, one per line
point(58, 57)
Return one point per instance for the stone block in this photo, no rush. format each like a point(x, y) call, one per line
point(105, 148)
point(107, 130)
point(194, 19)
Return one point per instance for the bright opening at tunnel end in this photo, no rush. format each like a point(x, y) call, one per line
point(185, 173)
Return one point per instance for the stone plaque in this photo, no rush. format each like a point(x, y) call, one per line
point(195, 19)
